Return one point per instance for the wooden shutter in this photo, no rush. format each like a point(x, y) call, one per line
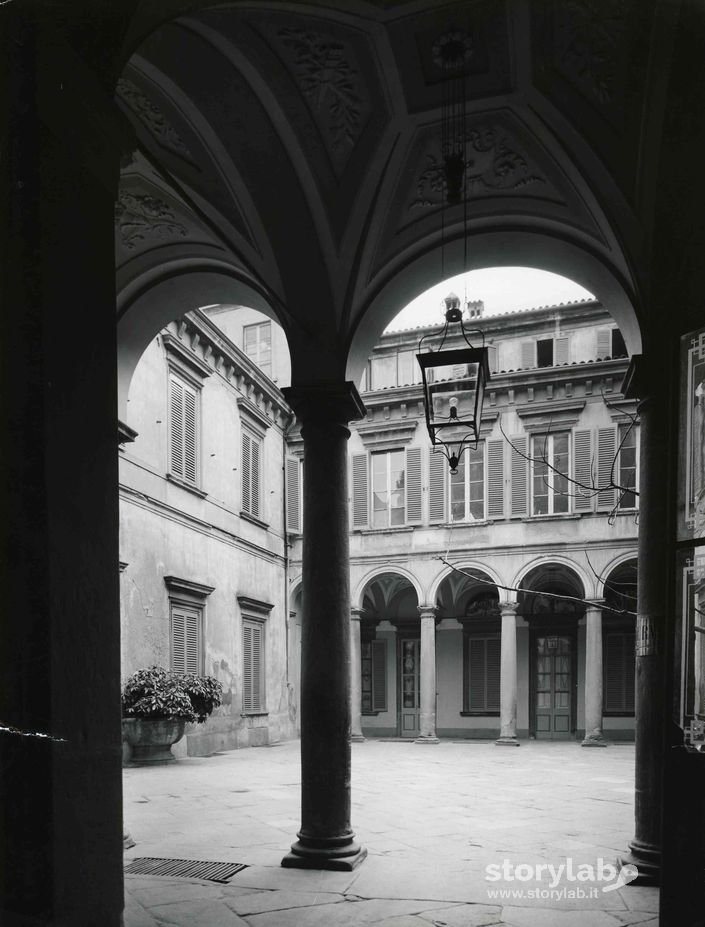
point(190, 429)
point(379, 675)
point(255, 470)
point(360, 491)
point(494, 659)
point(604, 342)
point(185, 639)
point(437, 466)
point(176, 427)
point(492, 358)
point(293, 496)
point(476, 670)
point(519, 474)
point(413, 485)
point(495, 478)
point(528, 354)
point(619, 665)
point(246, 469)
point(253, 666)
point(582, 469)
point(562, 350)
point(606, 450)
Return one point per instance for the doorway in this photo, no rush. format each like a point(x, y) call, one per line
point(408, 674)
point(553, 685)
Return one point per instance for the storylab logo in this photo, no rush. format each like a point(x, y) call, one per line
point(568, 880)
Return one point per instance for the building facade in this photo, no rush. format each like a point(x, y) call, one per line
point(497, 602)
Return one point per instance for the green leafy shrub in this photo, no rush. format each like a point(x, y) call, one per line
point(159, 693)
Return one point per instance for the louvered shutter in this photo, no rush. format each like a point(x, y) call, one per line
point(246, 469)
point(606, 466)
point(293, 496)
point(379, 675)
point(519, 474)
point(495, 478)
point(528, 354)
point(192, 662)
point(619, 664)
point(178, 641)
point(360, 491)
point(413, 485)
point(253, 667)
point(247, 668)
point(604, 342)
point(494, 658)
point(176, 428)
point(190, 429)
point(582, 469)
point(255, 470)
point(437, 466)
point(476, 669)
point(562, 350)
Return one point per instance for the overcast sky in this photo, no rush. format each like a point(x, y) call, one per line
point(503, 289)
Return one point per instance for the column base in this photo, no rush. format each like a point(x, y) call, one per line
point(507, 742)
point(357, 738)
point(647, 859)
point(307, 853)
point(594, 740)
point(426, 740)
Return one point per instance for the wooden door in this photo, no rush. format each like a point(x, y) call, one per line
point(553, 686)
point(409, 657)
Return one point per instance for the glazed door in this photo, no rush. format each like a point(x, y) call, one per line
point(409, 652)
point(553, 687)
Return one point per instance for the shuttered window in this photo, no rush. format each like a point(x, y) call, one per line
point(495, 478)
point(550, 469)
point(374, 676)
point(183, 430)
point(493, 358)
point(437, 467)
point(360, 492)
point(388, 489)
point(251, 470)
point(627, 466)
point(519, 475)
point(606, 467)
point(582, 471)
point(482, 674)
point(253, 666)
point(186, 645)
point(618, 669)
point(603, 348)
point(528, 354)
point(294, 488)
point(562, 350)
point(467, 486)
point(413, 485)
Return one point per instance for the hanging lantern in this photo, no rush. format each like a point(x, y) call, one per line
point(453, 387)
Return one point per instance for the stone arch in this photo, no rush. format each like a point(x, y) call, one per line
point(586, 585)
point(544, 250)
point(390, 594)
point(558, 577)
point(368, 578)
point(475, 565)
point(472, 593)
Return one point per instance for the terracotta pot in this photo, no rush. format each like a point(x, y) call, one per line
point(151, 739)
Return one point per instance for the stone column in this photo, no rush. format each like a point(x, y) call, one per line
point(593, 675)
point(654, 554)
point(61, 827)
point(428, 676)
point(508, 678)
point(356, 735)
point(325, 840)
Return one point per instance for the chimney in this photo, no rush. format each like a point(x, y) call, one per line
point(475, 308)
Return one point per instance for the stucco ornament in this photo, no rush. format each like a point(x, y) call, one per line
point(139, 216)
point(589, 36)
point(329, 82)
point(452, 50)
point(152, 117)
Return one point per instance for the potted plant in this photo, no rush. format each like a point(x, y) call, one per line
point(157, 704)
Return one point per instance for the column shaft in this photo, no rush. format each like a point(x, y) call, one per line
point(508, 678)
point(428, 677)
point(593, 678)
point(355, 681)
point(326, 840)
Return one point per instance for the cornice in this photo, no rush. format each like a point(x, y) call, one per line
point(382, 432)
point(188, 587)
point(559, 412)
point(254, 607)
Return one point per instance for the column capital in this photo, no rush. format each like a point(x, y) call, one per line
point(596, 604)
point(328, 402)
point(356, 614)
point(428, 611)
point(508, 608)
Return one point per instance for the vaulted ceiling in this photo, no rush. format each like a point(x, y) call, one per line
point(293, 149)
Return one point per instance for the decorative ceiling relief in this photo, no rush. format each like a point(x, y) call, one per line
point(139, 216)
point(152, 118)
point(589, 44)
point(495, 165)
point(330, 83)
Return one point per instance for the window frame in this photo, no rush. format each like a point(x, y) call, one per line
point(256, 358)
point(187, 387)
point(190, 595)
point(607, 633)
point(389, 490)
point(551, 493)
point(635, 431)
point(467, 482)
point(254, 439)
point(475, 635)
point(381, 705)
point(253, 615)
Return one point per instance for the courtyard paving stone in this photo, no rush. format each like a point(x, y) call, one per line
point(432, 819)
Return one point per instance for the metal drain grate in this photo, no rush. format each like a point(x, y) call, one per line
point(184, 868)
